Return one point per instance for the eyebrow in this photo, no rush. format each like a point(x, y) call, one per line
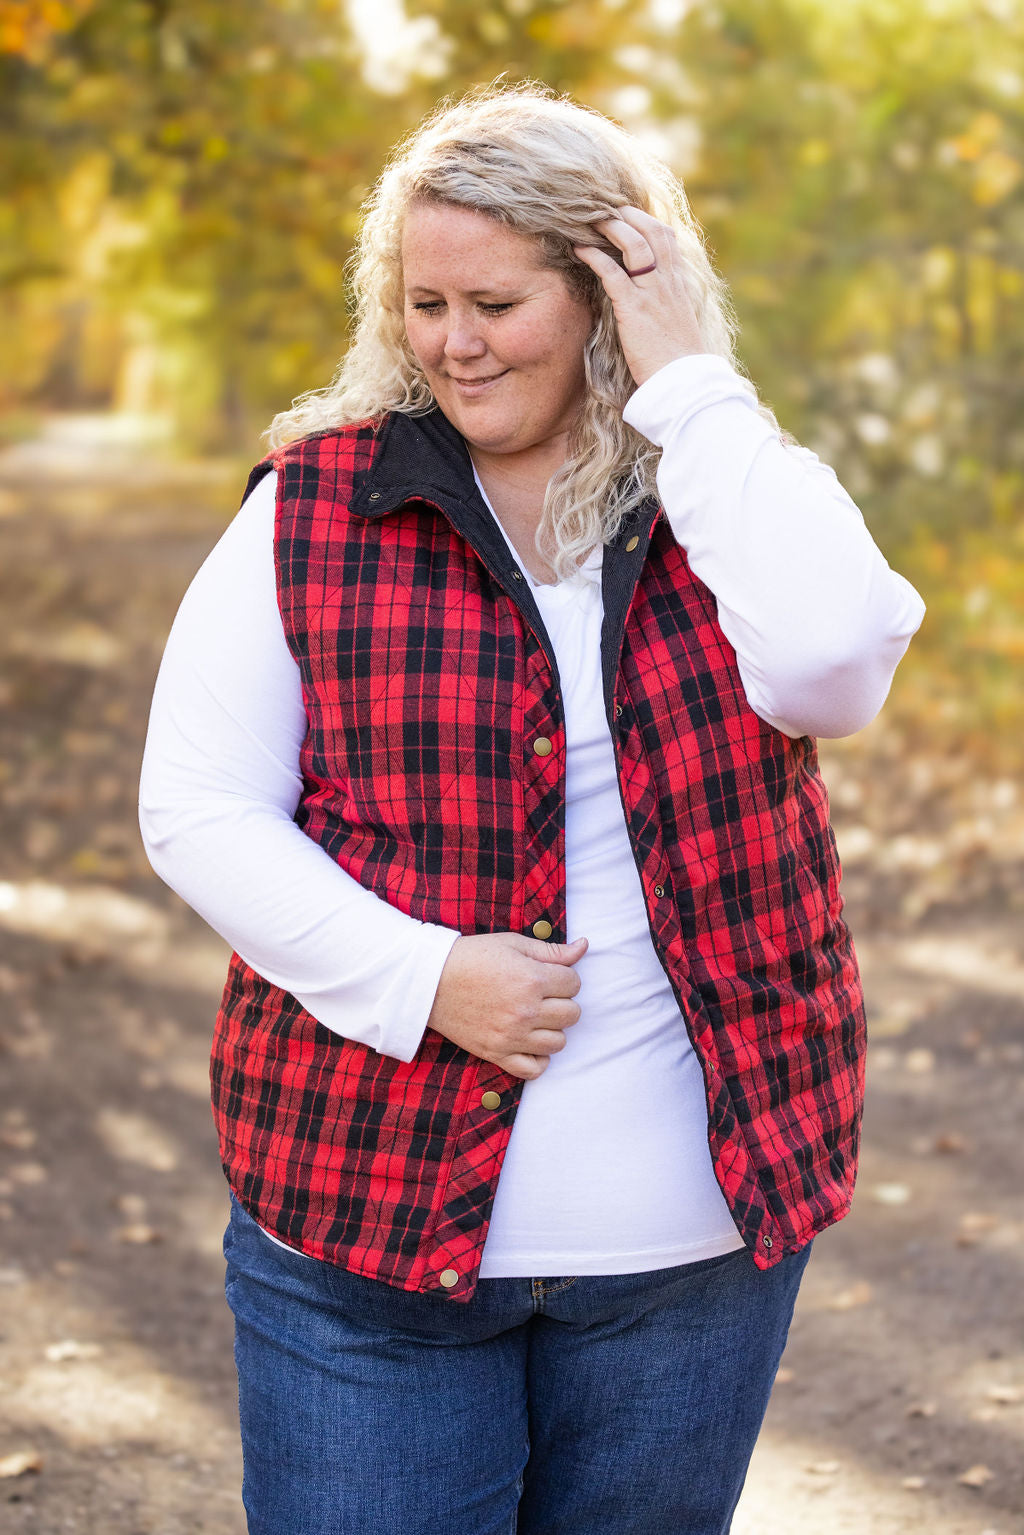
point(470, 292)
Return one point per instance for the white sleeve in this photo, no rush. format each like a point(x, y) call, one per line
point(816, 616)
point(220, 783)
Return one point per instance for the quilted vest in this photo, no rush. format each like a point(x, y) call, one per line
point(427, 675)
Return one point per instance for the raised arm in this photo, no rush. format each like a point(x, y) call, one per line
point(816, 616)
point(220, 783)
point(818, 620)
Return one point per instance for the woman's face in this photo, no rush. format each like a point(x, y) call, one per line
point(499, 336)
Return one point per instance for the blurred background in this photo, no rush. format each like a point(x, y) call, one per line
point(180, 183)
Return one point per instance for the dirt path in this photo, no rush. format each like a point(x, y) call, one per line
point(905, 1369)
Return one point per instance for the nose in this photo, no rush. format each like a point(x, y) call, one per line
point(463, 340)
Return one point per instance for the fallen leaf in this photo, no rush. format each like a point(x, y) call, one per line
point(18, 1137)
point(19, 1462)
point(919, 1061)
point(975, 1476)
point(1006, 1396)
point(132, 1206)
point(913, 1483)
point(891, 1193)
point(950, 1144)
point(823, 1467)
point(922, 1410)
point(69, 1348)
point(137, 1234)
point(858, 1294)
point(973, 1226)
point(29, 1172)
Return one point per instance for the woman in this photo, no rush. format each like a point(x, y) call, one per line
point(485, 736)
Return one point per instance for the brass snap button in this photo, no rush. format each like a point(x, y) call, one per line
point(448, 1277)
point(542, 928)
point(659, 891)
point(632, 544)
point(542, 746)
point(491, 1101)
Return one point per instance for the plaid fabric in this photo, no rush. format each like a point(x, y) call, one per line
point(427, 675)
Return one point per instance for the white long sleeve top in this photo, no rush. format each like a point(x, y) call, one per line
point(818, 621)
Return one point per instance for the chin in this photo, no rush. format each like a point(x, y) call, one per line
point(479, 432)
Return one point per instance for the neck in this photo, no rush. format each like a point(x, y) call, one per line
point(515, 487)
point(526, 472)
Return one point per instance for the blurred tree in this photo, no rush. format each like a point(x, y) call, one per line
point(180, 183)
point(189, 172)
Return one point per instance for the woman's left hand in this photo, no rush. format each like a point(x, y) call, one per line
point(653, 310)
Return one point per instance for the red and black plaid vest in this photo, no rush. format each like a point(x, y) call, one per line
point(427, 675)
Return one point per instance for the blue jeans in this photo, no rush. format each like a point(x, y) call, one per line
point(618, 1404)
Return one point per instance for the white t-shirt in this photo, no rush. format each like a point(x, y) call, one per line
point(608, 1168)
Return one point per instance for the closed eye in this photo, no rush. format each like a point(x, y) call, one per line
point(431, 306)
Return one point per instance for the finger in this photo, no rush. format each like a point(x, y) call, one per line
point(560, 981)
point(565, 953)
point(636, 248)
point(610, 272)
point(544, 1042)
point(654, 230)
point(661, 237)
point(557, 1013)
point(552, 953)
point(529, 1067)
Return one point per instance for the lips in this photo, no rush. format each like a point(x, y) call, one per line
point(477, 383)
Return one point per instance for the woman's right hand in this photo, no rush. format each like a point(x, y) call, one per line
point(507, 998)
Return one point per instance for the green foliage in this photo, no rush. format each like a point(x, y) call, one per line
point(180, 182)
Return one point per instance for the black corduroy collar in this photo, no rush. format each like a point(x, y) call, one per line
point(422, 457)
point(425, 458)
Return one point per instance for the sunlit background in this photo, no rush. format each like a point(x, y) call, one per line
point(180, 183)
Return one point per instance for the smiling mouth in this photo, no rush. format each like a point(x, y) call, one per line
point(468, 383)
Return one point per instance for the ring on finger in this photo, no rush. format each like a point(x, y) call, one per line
point(641, 271)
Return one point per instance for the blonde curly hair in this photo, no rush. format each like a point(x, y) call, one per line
point(547, 168)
